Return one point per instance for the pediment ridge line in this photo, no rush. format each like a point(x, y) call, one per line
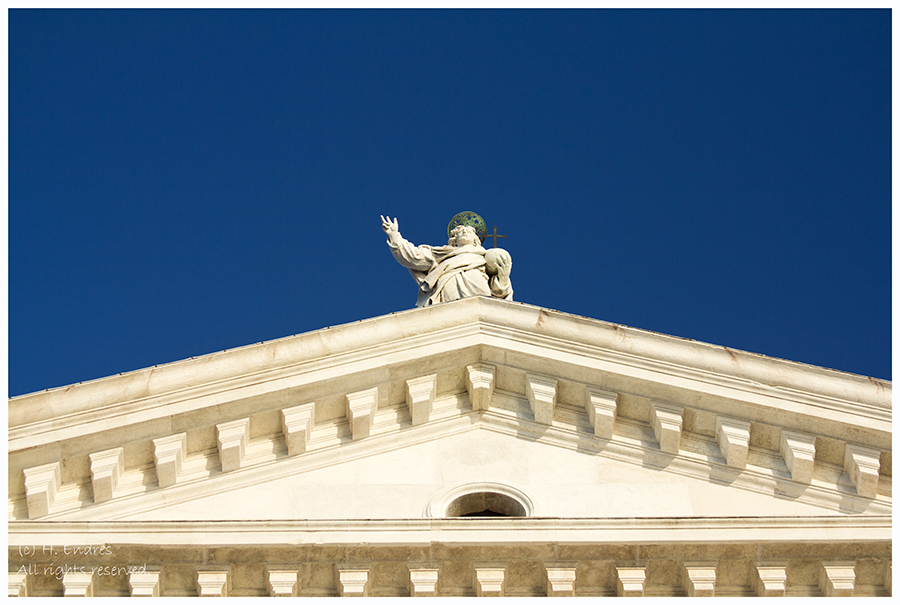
point(233, 350)
point(127, 412)
point(883, 413)
point(686, 372)
point(262, 472)
point(212, 389)
point(680, 341)
point(746, 479)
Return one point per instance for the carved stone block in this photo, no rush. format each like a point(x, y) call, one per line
point(423, 582)
point(560, 581)
point(168, 454)
point(602, 409)
point(862, 464)
point(41, 485)
point(480, 384)
point(145, 584)
point(490, 581)
point(353, 582)
point(18, 585)
point(541, 394)
point(630, 581)
point(106, 468)
point(837, 578)
point(296, 425)
point(78, 584)
point(213, 582)
point(420, 397)
point(768, 579)
point(361, 408)
point(232, 438)
point(699, 579)
point(283, 582)
point(733, 437)
point(666, 421)
point(799, 453)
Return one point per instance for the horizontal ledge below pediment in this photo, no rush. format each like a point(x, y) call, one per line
point(374, 532)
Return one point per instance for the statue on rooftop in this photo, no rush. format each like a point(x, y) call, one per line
point(460, 269)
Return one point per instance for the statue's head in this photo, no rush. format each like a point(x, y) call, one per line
point(463, 235)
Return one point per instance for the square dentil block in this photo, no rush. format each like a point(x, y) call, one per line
point(361, 407)
point(41, 484)
point(168, 455)
point(480, 385)
point(296, 426)
point(666, 420)
point(106, 468)
point(837, 578)
point(799, 453)
point(420, 394)
point(490, 581)
point(78, 584)
point(213, 582)
point(630, 581)
point(283, 582)
point(232, 438)
point(699, 579)
point(541, 394)
point(353, 582)
point(602, 408)
point(559, 581)
point(147, 583)
point(423, 582)
point(769, 579)
point(733, 436)
point(863, 465)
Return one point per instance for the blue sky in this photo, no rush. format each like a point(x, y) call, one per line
point(182, 182)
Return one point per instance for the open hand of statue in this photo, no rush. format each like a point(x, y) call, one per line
point(389, 226)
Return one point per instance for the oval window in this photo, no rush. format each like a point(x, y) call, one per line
point(485, 504)
point(482, 499)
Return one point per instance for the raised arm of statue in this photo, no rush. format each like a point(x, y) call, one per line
point(415, 258)
point(460, 269)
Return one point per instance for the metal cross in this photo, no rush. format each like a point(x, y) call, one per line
point(495, 236)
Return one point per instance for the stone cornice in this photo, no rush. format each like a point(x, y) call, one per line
point(240, 386)
point(180, 379)
point(773, 388)
point(761, 389)
point(376, 532)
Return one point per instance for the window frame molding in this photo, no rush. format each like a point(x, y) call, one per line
point(439, 504)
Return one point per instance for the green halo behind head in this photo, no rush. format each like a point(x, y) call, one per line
point(472, 220)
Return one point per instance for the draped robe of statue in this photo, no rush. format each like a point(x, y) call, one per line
point(445, 273)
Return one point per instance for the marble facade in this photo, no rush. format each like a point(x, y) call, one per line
point(338, 463)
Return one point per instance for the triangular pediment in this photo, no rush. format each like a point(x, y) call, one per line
point(374, 420)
